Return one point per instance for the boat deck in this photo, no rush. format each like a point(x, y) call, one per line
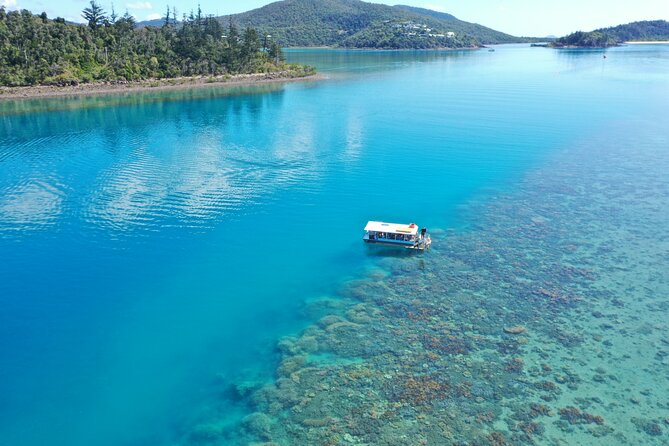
point(397, 234)
point(420, 245)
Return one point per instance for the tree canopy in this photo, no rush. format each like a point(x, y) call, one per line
point(605, 37)
point(37, 50)
point(593, 39)
point(644, 30)
point(354, 23)
point(94, 15)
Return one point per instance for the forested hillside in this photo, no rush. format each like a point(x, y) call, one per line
point(593, 39)
point(646, 30)
point(605, 37)
point(353, 23)
point(37, 50)
point(483, 34)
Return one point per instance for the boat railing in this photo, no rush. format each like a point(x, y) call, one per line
point(412, 239)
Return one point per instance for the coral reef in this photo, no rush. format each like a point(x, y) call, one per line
point(517, 330)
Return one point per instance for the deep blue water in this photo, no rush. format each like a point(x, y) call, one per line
point(154, 243)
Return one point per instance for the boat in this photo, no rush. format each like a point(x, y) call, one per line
point(397, 234)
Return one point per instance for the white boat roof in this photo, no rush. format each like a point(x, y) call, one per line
point(393, 228)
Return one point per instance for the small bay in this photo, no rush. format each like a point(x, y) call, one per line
point(156, 246)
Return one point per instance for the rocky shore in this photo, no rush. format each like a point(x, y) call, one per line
point(42, 91)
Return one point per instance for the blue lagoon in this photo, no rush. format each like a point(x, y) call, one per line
point(165, 278)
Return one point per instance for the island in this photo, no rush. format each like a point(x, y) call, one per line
point(642, 31)
point(580, 39)
point(110, 51)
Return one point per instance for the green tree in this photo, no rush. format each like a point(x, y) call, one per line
point(37, 50)
point(274, 52)
point(250, 46)
point(167, 17)
point(94, 15)
point(126, 24)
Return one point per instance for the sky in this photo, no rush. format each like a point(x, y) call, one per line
point(516, 17)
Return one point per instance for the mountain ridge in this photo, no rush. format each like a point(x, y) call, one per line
point(358, 24)
point(639, 30)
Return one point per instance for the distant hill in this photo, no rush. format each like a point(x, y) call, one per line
point(639, 31)
point(154, 23)
point(654, 30)
point(429, 12)
point(485, 35)
point(358, 24)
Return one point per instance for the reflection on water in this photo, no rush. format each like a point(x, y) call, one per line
point(131, 193)
point(354, 138)
point(202, 177)
point(63, 103)
point(32, 204)
point(331, 61)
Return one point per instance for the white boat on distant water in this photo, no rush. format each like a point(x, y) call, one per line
point(397, 234)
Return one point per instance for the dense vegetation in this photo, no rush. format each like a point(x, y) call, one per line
point(484, 35)
point(639, 31)
point(37, 50)
point(398, 36)
point(354, 23)
point(582, 39)
point(605, 37)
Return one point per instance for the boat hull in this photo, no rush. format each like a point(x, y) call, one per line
point(422, 245)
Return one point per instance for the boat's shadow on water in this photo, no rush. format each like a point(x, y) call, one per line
point(390, 251)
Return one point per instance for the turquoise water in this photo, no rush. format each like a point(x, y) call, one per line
point(155, 246)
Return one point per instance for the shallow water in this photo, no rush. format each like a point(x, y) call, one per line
point(159, 244)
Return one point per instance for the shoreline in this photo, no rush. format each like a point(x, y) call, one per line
point(179, 83)
point(635, 42)
point(647, 42)
point(336, 48)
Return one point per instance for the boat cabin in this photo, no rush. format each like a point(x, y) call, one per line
point(397, 234)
